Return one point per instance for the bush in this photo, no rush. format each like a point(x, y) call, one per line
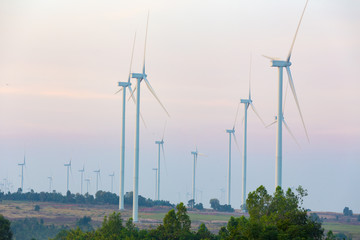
point(347, 211)
point(37, 208)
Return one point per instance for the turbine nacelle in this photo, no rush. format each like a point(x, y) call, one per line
point(230, 130)
point(139, 75)
point(124, 84)
point(280, 63)
point(245, 100)
point(194, 153)
point(159, 142)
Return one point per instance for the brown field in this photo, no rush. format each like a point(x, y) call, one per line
point(67, 214)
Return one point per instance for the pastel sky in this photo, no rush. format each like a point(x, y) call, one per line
point(60, 62)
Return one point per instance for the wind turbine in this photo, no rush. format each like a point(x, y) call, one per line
point(112, 180)
point(231, 132)
point(280, 64)
point(156, 186)
point(87, 180)
point(82, 178)
point(196, 153)
point(50, 183)
point(139, 77)
point(68, 166)
point(247, 102)
point(124, 85)
point(22, 173)
point(158, 163)
point(97, 179)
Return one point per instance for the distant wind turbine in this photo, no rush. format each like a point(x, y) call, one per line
point(82, 179)
point(97, 179)
point(231, 132)
point(160, 143)
point(139, 77)
point(247, 102)
point(196, 154)
point(280, 64)
point(68, 166)
point(22, 173)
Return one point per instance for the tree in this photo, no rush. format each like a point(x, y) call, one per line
point(37, 208)
point(214, 203)
point(275, 217)
point(5, 232)
point(347, 211)
point(191, 203)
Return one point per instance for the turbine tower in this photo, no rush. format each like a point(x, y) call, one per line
point(97, 179)
point(50, 183)
point(139, 77)
point(68, 166)
point(22, 173)
point(112, 180)
point(247, 102)
point(87, 180)
point(160, 143)
point(196, 154)
point(82, 179)
point(124, 85)
point(156, 186)
point(281, 64)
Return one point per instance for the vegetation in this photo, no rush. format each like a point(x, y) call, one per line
point(5, 232)
point(271, 217)
point(32, 228)
point(101, 197)
point(215, 204)
point(347, 212)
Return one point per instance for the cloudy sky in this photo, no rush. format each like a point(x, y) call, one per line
point(60, 62)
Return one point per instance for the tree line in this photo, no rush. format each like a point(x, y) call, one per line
point(100, 198)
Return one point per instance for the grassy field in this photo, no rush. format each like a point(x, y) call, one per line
point(353, 230)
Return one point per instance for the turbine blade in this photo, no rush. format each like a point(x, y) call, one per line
point(163, 152)
point(297, 29)
point(132, 55)
point(118, 91)
point(271, 123)
point(201, 154)
point(291, 83)
point(133, 98)
point(163, 132)
point(132, 94)
point(154, 94)
point(236, 142)
point(271, 58)
point(237, 113)
point(292, 135)
point(147, 25)
point(250, 77)
point(257, 114)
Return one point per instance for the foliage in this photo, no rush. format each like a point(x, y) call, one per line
point(5, 231)
point(274, 217)
point(347, 211)
point(37, 208)
point(84, 224)
point(32, 228)
point(215, 204)
point(101, 198)
point(199, 206)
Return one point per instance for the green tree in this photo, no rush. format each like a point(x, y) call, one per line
point(5, 232)
point(275, 217)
